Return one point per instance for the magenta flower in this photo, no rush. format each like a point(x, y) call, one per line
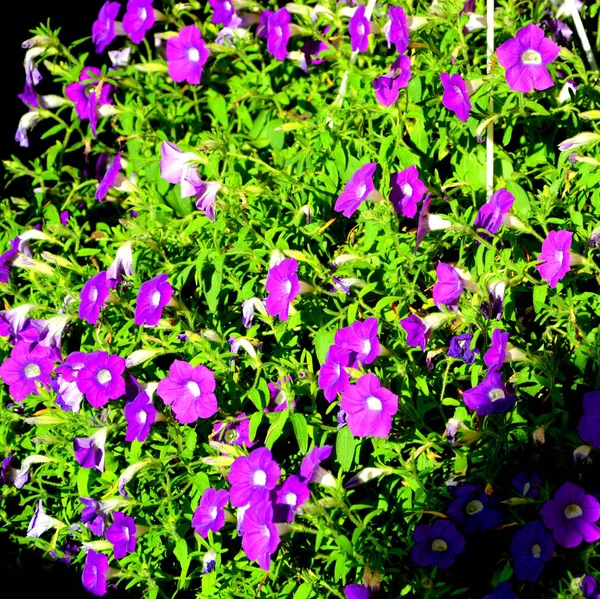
point(109, 179)
point(490, 396)
point(387, 87)
point(333, 378)
point(140, 414)
point(490, 214)
point(455, 96)
point(407, 190)
point(186, 55)
point(103, 29)
point(210, 515)
point(206, 193)
point(252, 477)
point(89, 451)
point(449, 286)
point(121, 533)
point(494, 356)
point(290, 497)
point(359, 28)
point(94, 573)
point(395, 30)
point(589, 425)
point(223, 12)
point(278, 32)
point(93, 515)
point(190, 391)
point(369, 407)
point(417, 331)
point(571, 515)
point(152, 297)
point(101, 378)
point(28, 363)
point(93, 295)
point(260, 537)
point(283, 287)
point(525, 58)
point(358, 189)
point(310, 469)
point(556, 254)
point(360, 340)
point(138, 19)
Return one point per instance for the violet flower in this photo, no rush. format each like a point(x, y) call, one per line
point(278, 396)
point(289, 498)
point(109, 179)
point(28, 363)
point(556, 256)
point(206, 193)
point(311, 470)
point(92, 296)
point(460, 348)
point(387, 87)
point(531, 548)
point(179, 167)
point(190, 391)
point(437, 545)
point(234, 433)
point(186, 55)
point(223, 12)
point(449, 286)
point(525, 58)
point(356, 591)
point(490, 396)
point(121, 533)
point(89, 451)
point(140, 414)
point(428, 222)
point(571, 515)
point(359, 28)
point(41, 522)
point(252, 477)
point(94, 573)
point(455, 96)
point(369, 407)
point(210, 515)
point(495, 355)
point(406, 191)
point(502, 591)
point(121, 265)
point(283, 287)
point(396, 30)
point(260, 537)
point(93, 515)
point(101, 378)
point(103, 29)
point(278, 32)
point(359, 188)
point(589, 425)
point(333, 378)
point(526, 483)
point(360, 340)
point(152, 297)
point(491, 213)
point(417, 331)
point(138, 19)
point(474, 509)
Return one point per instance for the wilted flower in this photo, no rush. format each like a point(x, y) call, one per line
point(359, 188)
point(418, 330)
point(531, 548)
point(455, 96)
point(121, 265)
point(490, 396)
point(138, 19)
point(93, 515)
point(186, 55)
point(310, 469)
point(437, 545)
point(359, 28)
point(460, 347)
point(279, 397)
point(209, 562)
point(407, 190)
point(428, 222)
point(525, 58)
point(103, 29)
point(581, 139)
point(283, 287)
point(556, 256)
point(152, 297)
point(234, 433)
point(89, 452)
point(121, 533)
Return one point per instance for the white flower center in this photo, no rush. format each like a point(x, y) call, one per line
point(291, 499)
point(213, 512)
point(496, 394)
point(526, 488)
point(573, 511)
point(360, 190)
point(439, 545)
point(360, 28)
point(373, 403)
point(265, 532)
point(143, 14)
point(474, 507)
point(278, 31)
point(193, 54)
point(559, 256)
point(192, 387)
point(155, 298)
point(227, 6)
point(288, 287)
point(536, 551)
point(104, 376)
point(407, 190)
point(93, 294)
point(141, 417)
point(32, 370)
point(280, 398)
point(259, 478)
point(366, 347)
point(531, 57)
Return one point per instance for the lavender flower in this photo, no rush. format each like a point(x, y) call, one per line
point(260, 537)
point(571, 515)
point(359, 188)
point(94, 573)
point(103, 29)
point(138, 19)
point(407, 190)
point(460, 348)
point(449, 286)
point(210, 515)
point(28, 363)
point(190, 391)
point(495, 355)
point(41, 522)
point(395, 30)
point(121, 533)
point(418, 330)
point(556, 256)
point(283, 287)
point(491, 213)
point(531, 548)
point(474, 509)
point(89, 452)
point(178, 167)
point(152, 297)
point(455, 96)
point(101, 378)
point(186, 55)
point(252, 477)
point(359, 28)
point(93, 295)
point(140, 414)
point(437, 545)
point(387, 87)
point(333, 378)
point(109, 179)
point(369, 407)
point(490, 396)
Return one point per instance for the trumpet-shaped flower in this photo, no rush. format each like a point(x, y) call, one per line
point(138, 19)
point(260, 537)
point(28, 363)
point(556, 256)
point(94, 573)
point(103, 29)
point(93, 295)
point(359, 28)
point(491, 213)
point(358, 189)
point(121, 533)
point(283, 287)
point(210, 513)
point(455, 96)
point(152, 297)
point(387, 87)
point(252, 477)
point(490, 396)
point(407, 190)
point(395, 30)
point(531, 548)
point(437, 545)
point(449, 286)
point(186, 55)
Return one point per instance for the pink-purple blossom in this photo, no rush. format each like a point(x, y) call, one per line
point(101, 378)
point(333, 378)
point(138, 19)
point(94, 573)
point(494, 357)
point(360, 339)
point(283, 287)
point(359, 28)
point(92, 297)
point(396, 30)
point(455, 96)
point(179, 167)
point(223, 12)
point(449, 286)
point(210, 513)
point(103, 29)
point(89, 451)
point(186, 55)
point(121, 533)
point(109, 179)
point(357, 190)
point(278, 32)
point(490, 396)
point(140, 414)
point(406, 191)
point(260, 537)
point(387, 87)
point(152, 297)
point(252, 477)
point(93, 515)
point(289, 498)
point(491, 213)
point(311, 463)
point(29, 363)
point(236, 432)
point(556, 256)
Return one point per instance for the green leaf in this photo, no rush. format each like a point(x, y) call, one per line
point(212, 294)
point(323, 341)
point(300, 430)
point(344, 448)
point(539, 297)
point(304, 591)
point(181, 553)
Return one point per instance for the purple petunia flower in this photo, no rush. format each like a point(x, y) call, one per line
point(571, 515)
point(28, 363)
point(190, 391)
point(531, 548)
point(369, 407)
point(437, 545)
point(360, 340)
point(186, 55)
point(502, 591)
point(260, 537)
point(279, 397)
point(93, 295)
point(556, 256)
point(589, 425)
point(527, 483)
point(210, 515)
point(93, 515)
point(589, 587)
point(289, 497)
point(109, 179)
point(234, 433)
point(559, 31)
point(206, 193)
point(223, 12)
point(491, 213)
point(455, 96)
point(359, 188)
point(179, 167)
point(333, 378)
point(525, 58)
point(101, 378)
point(449, 286)
point(490, 396)
point(152, 297)
point(310, 469)
point(15, 325)
point(140, 414)
point(396, 30)
point(417, 331)
point(387, 87)
point(356, 591)
point(407, 190)
point(94, 573)
point(278, 32)
point(89, 451)
point(494, 356)
point(283, 287)
point(474, 509)
point(359, 28)
point(252, 477)
point(121, 265)
point(138, 19)
point(460, 348)
point(121, 533)
point(103, 29)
